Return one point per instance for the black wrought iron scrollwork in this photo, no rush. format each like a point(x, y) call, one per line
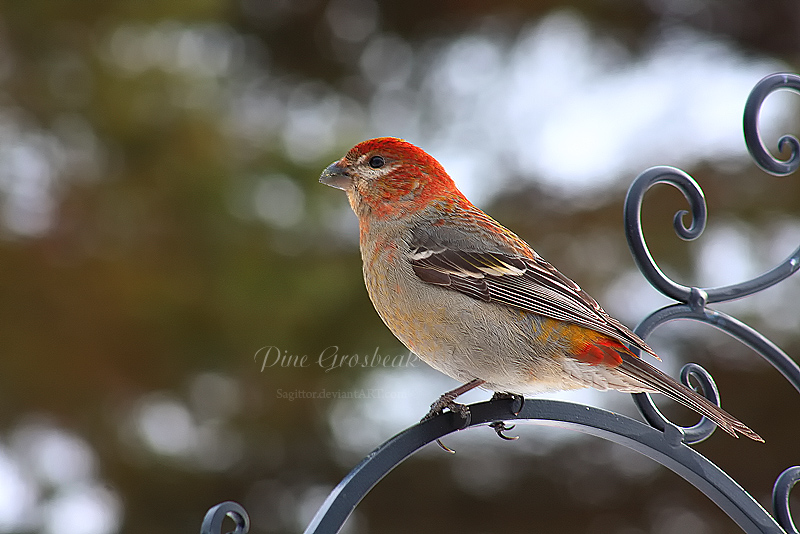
point(693, 301)
point(212, 523)
point(671, 453)
point(752, 108)
point(660, 439)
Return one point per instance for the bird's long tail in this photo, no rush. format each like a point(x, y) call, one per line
point(655, 380)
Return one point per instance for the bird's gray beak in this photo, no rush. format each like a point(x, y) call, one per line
point(335, 176)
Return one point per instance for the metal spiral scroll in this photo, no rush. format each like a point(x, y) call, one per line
point(693, 300)
point(760, 154)
point(212, 523)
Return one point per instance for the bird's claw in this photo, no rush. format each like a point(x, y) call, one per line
point(499, 427)
point(444, 447)
point(518, 401)
point(445, 402)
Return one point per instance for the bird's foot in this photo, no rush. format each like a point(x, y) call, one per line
point(516, 407)
point(445, 402)
point(500, 427)
point(519, 401)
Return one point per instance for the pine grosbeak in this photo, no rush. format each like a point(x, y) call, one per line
point(475, 301)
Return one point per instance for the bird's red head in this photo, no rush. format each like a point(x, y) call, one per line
point(386, 176)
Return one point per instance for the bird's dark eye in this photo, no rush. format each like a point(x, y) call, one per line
point(376, 162)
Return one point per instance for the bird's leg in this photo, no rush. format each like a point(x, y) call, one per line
point(446, 401)
point(499, 426)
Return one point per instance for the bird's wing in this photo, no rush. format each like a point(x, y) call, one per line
point(529, 284)
point(532, 284)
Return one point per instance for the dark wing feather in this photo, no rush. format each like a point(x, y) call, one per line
point(528, 284)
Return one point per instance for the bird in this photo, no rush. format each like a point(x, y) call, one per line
point(473, 300)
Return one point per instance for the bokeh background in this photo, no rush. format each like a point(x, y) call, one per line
point(162, 232)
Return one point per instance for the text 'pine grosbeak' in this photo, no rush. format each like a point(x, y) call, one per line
point(475, 301)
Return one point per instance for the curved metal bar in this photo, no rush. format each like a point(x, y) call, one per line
point(633, 224)
point(780, 498)
point(736, 291)
point(694, 195)
point(731, 326)
point(212, 522)
point(755, 145)
point(682, 460)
